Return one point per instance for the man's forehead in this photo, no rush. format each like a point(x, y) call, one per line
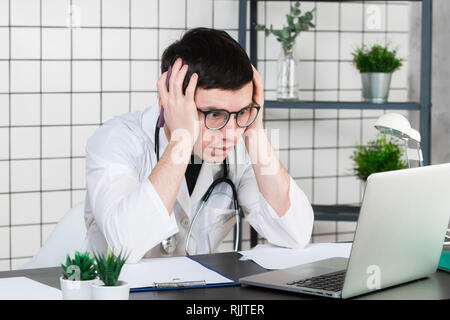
point(223, 99)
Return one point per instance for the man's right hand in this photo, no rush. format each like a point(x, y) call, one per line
point(180, 110)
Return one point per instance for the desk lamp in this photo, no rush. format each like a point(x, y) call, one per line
point(397, 125)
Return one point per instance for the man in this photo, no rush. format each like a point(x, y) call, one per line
point(213, 113)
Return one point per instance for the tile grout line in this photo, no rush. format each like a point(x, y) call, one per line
point(40, 122)
point(9, 137)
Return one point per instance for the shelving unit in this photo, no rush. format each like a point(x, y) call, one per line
point(350, 213)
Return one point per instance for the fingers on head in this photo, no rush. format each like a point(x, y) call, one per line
point(190, 90)
point(256, 75)
point(180, 79)
point(173, 77)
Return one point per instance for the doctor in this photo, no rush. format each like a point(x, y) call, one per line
point(213, 118)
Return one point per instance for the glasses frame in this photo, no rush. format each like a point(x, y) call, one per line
point(205, 113)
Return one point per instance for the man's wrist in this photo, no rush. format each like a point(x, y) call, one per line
point(180, 151)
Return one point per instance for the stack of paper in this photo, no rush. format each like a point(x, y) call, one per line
point(272, 257)
point(21, 288)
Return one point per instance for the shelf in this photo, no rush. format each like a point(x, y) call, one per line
point(341, 105)
point(345, 213)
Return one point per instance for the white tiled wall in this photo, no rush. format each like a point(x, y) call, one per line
point(58, 84)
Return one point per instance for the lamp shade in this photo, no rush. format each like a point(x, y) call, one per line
point(394, 124)
point(414, 135)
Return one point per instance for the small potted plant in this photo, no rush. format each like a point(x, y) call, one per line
point(77, 276)
point(378, 156)
point(287, 85)
point(376, 65)
point(108, 269)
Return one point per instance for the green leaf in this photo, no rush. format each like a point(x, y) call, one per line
point(285, 33)
point(308, 15)
point(259, 27)
point(290, 21)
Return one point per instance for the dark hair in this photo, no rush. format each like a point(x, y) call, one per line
point(219, 61)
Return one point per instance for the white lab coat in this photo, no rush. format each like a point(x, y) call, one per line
point(124, 211)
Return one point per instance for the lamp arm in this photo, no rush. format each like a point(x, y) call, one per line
point(419, 153)
point(406, 153)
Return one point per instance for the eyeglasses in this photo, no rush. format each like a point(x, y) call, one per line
point(218, 118)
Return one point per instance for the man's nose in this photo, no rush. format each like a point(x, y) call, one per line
point(230, 130)
point(231, 124)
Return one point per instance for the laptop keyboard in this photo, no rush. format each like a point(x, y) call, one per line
point(331, 282)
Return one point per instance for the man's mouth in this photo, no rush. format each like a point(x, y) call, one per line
point(223, 149)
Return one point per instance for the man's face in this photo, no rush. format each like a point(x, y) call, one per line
point(214, 145)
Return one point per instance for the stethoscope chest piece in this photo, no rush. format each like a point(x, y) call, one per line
point(169, 245)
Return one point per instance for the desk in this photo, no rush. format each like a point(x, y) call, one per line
point(437, 286)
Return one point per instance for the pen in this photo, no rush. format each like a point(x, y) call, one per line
point(178, 284)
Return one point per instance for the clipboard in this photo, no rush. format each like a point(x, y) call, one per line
point(172, 273)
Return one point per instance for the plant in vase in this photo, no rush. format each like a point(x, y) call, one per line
point(376, 65)
point(287, 77)
point(378, 156)
point(76, 277)
point(108, 269)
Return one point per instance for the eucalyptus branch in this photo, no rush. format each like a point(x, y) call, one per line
point(296, 23)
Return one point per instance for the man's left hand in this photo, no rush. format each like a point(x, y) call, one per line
point(258, 97)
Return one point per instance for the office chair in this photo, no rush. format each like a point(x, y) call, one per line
point(66, 237)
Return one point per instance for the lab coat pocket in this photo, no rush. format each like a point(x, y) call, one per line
point(220, 223)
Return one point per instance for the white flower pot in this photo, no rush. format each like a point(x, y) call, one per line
point(76, 290)
point(119, 292)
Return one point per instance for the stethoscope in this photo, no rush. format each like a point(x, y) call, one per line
point(169, 245)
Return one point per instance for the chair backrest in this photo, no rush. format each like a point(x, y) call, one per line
point(67, 237)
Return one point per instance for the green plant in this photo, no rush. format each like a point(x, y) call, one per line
point(378, 58)
point(378, 156)
point(288, 33)
point(80, 268)
point(109, 267)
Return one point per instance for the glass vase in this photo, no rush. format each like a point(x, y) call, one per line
point(287, 77)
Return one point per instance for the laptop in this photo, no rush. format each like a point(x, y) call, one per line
point(399, 238)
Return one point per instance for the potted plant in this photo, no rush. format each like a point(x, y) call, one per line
point(378, 156)
point(77, 276)
point(376, 65)
point(108, 269)
point(287, 77)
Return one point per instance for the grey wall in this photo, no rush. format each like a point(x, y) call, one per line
point(440, 115)
point(440, 87)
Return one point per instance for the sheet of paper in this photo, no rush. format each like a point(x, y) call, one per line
point(156, 270)
point(21, 288)
point(272, 257)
